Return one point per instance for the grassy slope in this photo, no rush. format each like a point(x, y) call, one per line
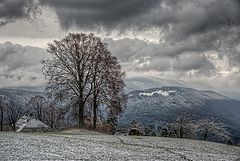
point(74, 144)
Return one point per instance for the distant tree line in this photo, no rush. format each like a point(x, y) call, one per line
point(206, 128)
point(184, 126)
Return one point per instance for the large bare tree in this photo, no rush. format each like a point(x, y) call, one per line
point(74, 68)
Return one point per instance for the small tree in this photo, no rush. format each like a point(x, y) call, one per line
point(36, 106)
point(112, 120)
point(4, 104)
point(183, 124)
point(14, 112)
point(211, 127)
point(53, 115)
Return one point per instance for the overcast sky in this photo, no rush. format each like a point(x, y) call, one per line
point(194, 41)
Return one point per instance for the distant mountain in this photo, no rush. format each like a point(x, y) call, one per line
point(159, 104)
point(22, 94)
point(163, 104)
point(140, 83)
point(147, 82)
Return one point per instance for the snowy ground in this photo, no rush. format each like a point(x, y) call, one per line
point(95, 146)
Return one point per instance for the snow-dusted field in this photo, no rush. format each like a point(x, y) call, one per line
point(67, 146)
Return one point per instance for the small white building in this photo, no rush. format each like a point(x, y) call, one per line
point(28, 123)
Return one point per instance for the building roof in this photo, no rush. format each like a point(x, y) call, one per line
point(28, 122)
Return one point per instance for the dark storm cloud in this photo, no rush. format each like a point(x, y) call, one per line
point(191, 33)
point(187, 16)
point(186, 25)
point(196, 18)
point(92, 13)
point(127, 48)
point(11, 10)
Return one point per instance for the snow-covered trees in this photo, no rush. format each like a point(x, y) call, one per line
point(206, 128)
point(81, 68)
point(211, 127)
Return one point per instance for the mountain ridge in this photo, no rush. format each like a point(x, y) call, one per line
point(163, 104)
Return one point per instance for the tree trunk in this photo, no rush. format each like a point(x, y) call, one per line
point(1, 121)
point(95, 99)
point(205, 135)
point(39, 112)
point(94, 112)
point(12, 123)
point(14, 127)
point(181, 132)
point(51, 119)
point(80, 115)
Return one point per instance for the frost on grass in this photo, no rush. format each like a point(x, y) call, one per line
point(61, 146)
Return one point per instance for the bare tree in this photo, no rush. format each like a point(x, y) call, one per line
point(53, 115)
point(183, 124)
point(12, 109)
point(107, 83)
point(74, 68)
point(14, 112)
point(211, 127)
point(69, 71)
point(55, 111)
point(99, 69)
point(36, 106)
point(114, 94)
point(4, 104)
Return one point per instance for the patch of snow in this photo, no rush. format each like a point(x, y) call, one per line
point(159, 92)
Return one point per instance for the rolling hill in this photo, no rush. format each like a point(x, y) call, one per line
point(155, 105)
